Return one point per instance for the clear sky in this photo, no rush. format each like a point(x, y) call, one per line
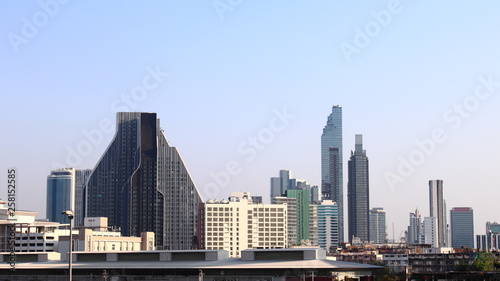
point(243, 89)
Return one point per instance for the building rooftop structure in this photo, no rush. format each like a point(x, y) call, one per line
point(191, 263)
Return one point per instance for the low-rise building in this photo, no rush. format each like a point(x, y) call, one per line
point(207, 265)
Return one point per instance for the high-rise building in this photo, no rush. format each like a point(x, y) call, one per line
point(303, 215)
point(377, 226)
point(430, 231)
point(291, 206)
point(462, 227)
point(60, 194)
point(142, 184)
point(415, 234)
point(328, 225)
point(240, 224)
point(81, 177)
point(493, 227)
point(279, 186)
point(438, 210)
point(331, 164)
point(358, 193)
point(491, 240)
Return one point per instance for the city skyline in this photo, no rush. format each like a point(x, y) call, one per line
point(245, 93)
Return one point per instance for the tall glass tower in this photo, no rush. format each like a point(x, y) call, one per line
point(462, 227)
point(331, 164)
point(358, 193)
point(60, 194)
point(141, 184)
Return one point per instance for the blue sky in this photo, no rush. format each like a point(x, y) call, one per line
point(217, 73)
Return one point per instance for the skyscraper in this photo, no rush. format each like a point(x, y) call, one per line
point(60, 194)
point(141, 184)
point(331, 164)
point(377, 226)
point(81, 177)
point(462, 227)
point(358, 193)
point(438, 211)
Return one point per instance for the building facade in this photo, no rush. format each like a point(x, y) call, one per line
point(81, 177)
point(328, 225)
point(430, 231)
point(438, 210)
point(291, 206)
point(378, 226)
point(332, 183)
point(415, 234)
point(238, 225)
point(303, 214)
point(462, 227)
point(358, 195)
point(142, 185)
point(60, 194)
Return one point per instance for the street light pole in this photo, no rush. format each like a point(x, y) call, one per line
point(70, 217)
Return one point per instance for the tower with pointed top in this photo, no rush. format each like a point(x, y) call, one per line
point(331, 165)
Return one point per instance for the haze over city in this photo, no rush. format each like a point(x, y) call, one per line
point(249, 86)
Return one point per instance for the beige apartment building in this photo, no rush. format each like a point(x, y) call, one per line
point(238, 224)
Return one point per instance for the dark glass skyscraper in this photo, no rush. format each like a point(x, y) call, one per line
point(331, 164)
point(358, 200)
point(81, 177)
point(462, 227)
point(60, 194)
point(141, 184)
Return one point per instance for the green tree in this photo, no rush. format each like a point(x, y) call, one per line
point(484, 262)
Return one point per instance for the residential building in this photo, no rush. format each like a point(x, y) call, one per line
point(415, 234)
point(462, 227)
point(378, 231)
point(303, 215)
point(430, 231)
point(60, 194)
point(142, 185)
point(438, 210)
point(328, 225)
point(331, 164)
point(358, 194)
point(313, 225)
point(291, 206)
point(237, 225)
